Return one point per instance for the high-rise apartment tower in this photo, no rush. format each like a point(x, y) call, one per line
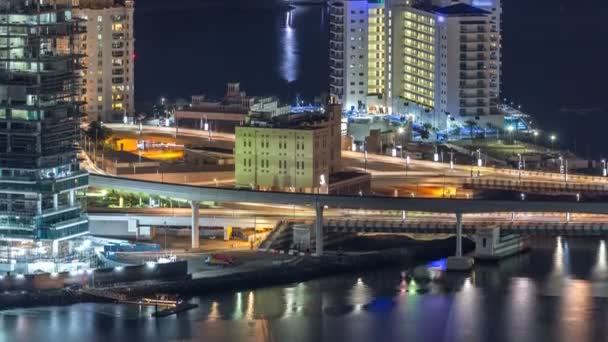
point(40, 89)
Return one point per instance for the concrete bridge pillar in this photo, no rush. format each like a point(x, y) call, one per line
point(319, 228)
point(195, 224)
point(459, 262)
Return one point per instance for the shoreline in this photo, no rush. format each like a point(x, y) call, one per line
point(311, 268)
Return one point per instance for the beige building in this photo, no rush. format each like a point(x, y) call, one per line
point(294, 152)
point(109, 49)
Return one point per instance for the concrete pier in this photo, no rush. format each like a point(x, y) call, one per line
point(319, 228)
point(459, 262)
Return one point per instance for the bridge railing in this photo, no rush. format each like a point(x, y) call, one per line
point(529, 185)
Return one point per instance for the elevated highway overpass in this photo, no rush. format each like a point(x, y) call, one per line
point(457, 207)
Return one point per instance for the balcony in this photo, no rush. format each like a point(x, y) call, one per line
point(467, 39)
point(474, 85)
point(472, 112)
point(472, 29)
point(464, 48)
point(473, 104)
point(473, 76)
point(64, 229)
point(335, 64)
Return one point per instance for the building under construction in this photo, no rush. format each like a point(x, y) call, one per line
point(40, 91)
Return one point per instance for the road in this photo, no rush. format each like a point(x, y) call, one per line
point(171, 131)
point(390, 176)
point(279, 212)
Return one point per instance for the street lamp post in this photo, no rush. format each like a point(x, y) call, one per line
point(451, 161)
point(519, 165)
point(510, 128)
point(604, 169)
point(553, 137)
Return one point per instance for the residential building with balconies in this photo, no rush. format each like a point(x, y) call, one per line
point(109, 84)
point(434, 61)
point(348, 53)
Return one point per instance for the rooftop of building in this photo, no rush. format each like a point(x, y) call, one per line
point(301, 120)
point(101, 4)
point(234, 101)
point(30, 7)
point(461, 9)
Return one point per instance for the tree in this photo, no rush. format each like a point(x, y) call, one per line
point(425, 134)
point(98, 133)
point(426, 131)
point(471, 124)
point(455, 131)
point(490, 126)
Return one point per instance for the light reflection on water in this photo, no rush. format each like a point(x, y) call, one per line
point(555, 293)
point(289, 58)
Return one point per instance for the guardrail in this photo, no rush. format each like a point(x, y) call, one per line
point(529, 228)
point(539, 186)
point(552, 175)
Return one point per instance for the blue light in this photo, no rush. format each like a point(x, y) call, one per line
point(440, 19)
point(437, 264)
point(380, 305)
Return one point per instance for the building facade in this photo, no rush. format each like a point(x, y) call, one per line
point(39, 129)
point(293, 152)
point(109, 46)
point(436, 61)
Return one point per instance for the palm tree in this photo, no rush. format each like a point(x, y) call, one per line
point(426, 131)
point(471, 124)
point(425, 134)
point(98, 132)
point(490, 126)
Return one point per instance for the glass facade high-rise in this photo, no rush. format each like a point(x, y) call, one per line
point(40, 84)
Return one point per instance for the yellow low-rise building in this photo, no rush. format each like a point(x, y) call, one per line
point(294, 152)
